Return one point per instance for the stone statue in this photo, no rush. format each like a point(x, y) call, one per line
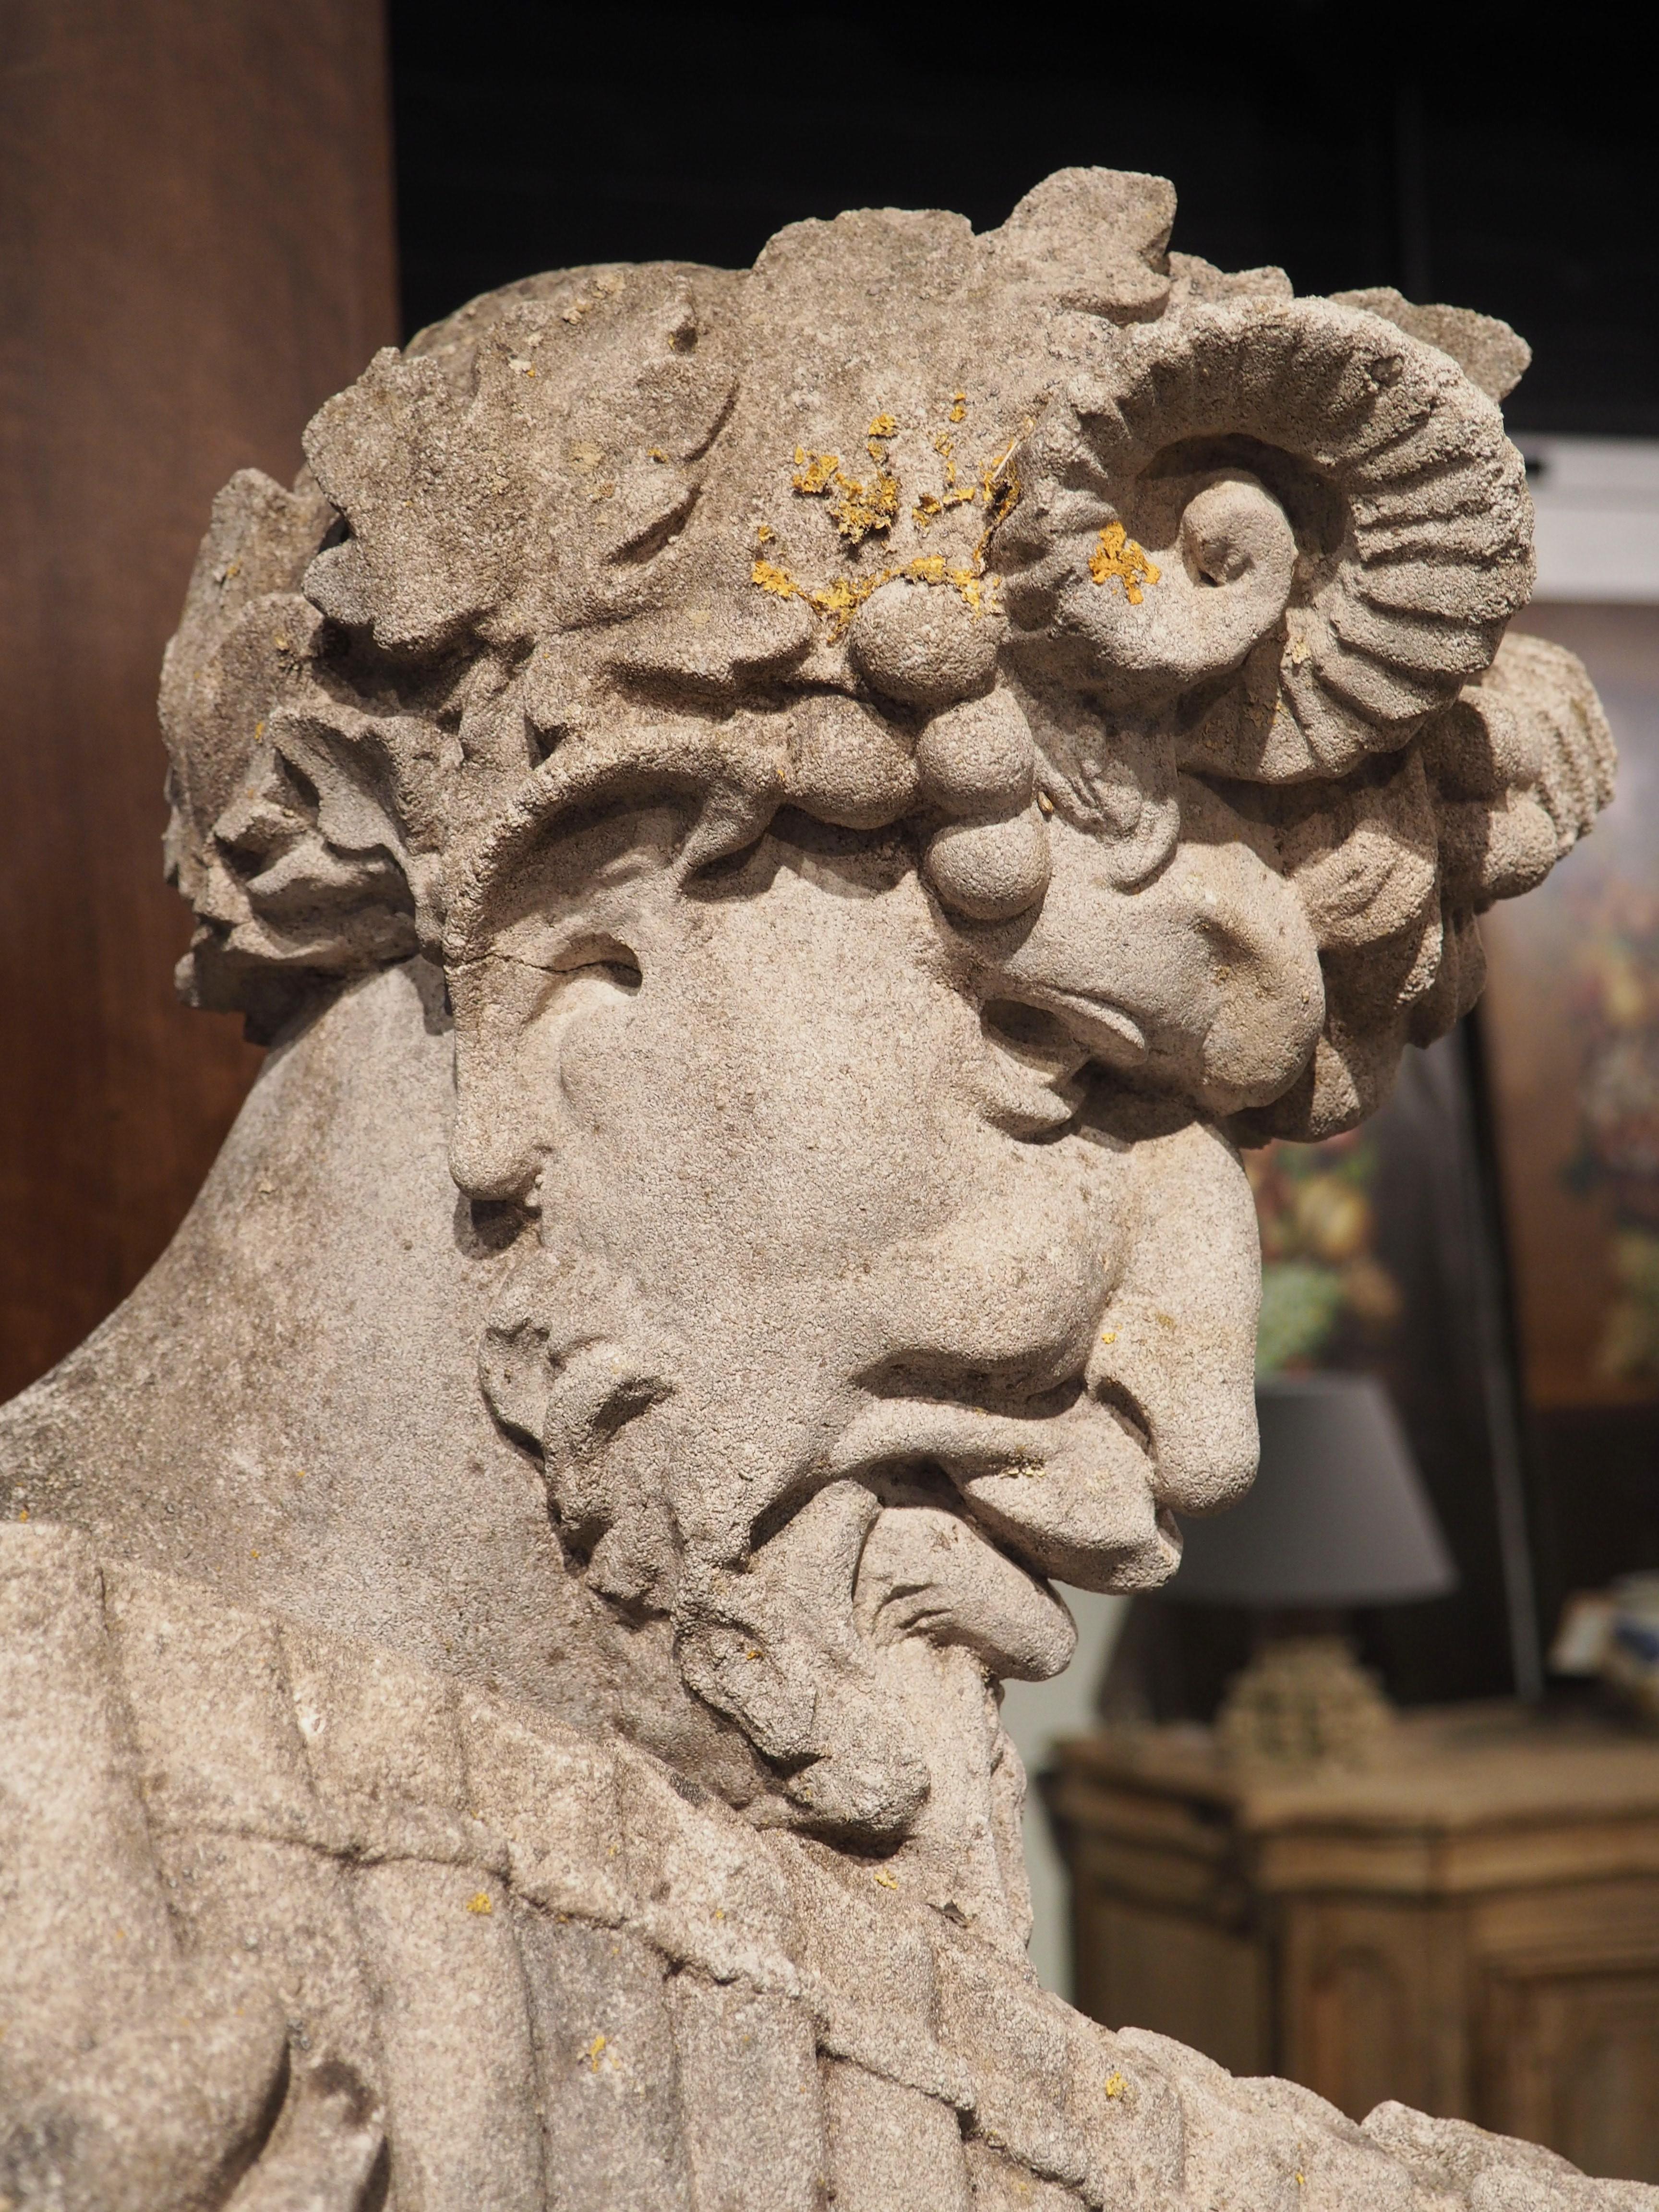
point(783, 828)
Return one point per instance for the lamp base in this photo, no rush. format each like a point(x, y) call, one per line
point(1304, 1701)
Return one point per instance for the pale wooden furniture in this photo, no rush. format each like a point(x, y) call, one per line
point(1472, 1925)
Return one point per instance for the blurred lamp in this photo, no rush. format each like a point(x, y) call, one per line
point(1338, 1517)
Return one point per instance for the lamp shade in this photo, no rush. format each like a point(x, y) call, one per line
point(1338, 1517)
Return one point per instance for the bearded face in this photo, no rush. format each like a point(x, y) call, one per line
point(859, 1303)
point(899, 796)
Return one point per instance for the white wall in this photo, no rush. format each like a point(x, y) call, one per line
point(1034, 1714)
point(1597, 502)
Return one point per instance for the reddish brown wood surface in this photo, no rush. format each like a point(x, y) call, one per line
point(196, 249)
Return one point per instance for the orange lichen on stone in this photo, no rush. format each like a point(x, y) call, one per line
point(958, 407)
point(814, 472)
point(858, 511)
point(932, 568)
point(861, 508)
point(933, 504)
point(779, 581)
point(839, 599)
point(1118, 556)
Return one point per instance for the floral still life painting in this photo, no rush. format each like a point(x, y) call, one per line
point(1572, 1028)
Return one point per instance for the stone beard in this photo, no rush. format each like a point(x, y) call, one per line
point(784, 828)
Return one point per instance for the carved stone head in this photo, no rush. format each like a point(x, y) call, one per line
point(907, 757)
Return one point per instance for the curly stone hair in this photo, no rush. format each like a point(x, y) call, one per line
point(597, 534)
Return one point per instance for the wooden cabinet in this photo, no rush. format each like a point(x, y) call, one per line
point(1470, 1925)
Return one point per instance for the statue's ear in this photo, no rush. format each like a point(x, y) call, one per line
point(316, 866)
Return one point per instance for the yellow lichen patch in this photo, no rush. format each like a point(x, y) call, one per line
point(861, 508)
point(958, 407)
point(764, 533)
point(779, 581)
point(594, 2052)
point(842, 598)
point(1116, 2084)
point(1118, 556)
point(932, 568)
point(858, 511)
point(886, 1879)
point(933, 504)
point(480, 1902)
point(814, 472)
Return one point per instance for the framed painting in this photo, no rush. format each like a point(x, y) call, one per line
point(1570, 1027)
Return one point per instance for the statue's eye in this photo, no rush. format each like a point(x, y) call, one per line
point(1031, 1070)
point(593, 959)
point(1033, 1035)
point(615, 965)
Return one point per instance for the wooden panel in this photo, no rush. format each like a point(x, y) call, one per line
point(1471, 1927)
point(1171, 1878)
point(1572, 2060)
point(196, 249)
point(1602, 1924)
point(1178, 1975)
point(1451, 1862)
point(1373, 2004)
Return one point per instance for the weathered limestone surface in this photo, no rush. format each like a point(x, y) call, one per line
point(785, 828)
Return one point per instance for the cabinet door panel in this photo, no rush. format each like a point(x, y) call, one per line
point(1179, 1975)
point(1572, 2059)
point(1373, 2004)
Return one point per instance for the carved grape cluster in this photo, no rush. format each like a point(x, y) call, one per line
point(1236, 604)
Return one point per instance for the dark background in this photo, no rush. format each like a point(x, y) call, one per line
point(1494, 157)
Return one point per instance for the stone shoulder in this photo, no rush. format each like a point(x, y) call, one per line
point(257, 1746)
